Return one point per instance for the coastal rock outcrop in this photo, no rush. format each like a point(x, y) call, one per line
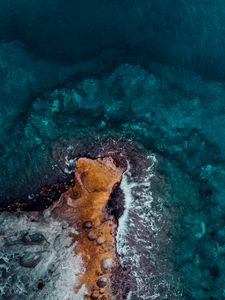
point(85, 205)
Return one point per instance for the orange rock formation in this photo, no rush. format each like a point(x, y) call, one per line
point(84, 204)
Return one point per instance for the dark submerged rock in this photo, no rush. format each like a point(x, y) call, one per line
point(30, 260)
point(102, 282)
point(88, 225)
point(33, 239)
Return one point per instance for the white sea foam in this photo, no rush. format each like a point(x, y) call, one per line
point(70, 165)
point(140, 232)
point(126, 187)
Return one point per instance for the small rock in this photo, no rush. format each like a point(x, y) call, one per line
point(88, 225)
point(33, 239)
point(30, 260)
point(107, 263)
point(41, 285)
point(99, 273)
point(102, 282)
point(95, 295)
point(74, 195)
point(92, 236)
point(100, 240)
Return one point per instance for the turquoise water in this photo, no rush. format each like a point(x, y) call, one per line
point(76, 72)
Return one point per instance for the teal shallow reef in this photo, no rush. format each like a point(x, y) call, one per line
point(77, 73)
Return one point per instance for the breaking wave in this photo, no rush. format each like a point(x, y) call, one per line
point(141, 234)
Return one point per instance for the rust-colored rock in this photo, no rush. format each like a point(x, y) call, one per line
point(100, 240)
point(92, 236)
point(87, 225)
point(94, 182)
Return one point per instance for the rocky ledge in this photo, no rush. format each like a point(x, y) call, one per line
point(70, 246)
point(85, 206)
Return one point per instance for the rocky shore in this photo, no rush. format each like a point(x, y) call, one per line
point(84, 205)
point(84, 216)
point(99, 238)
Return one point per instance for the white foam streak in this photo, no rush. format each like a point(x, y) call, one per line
point(137, 227)
point(126, 187)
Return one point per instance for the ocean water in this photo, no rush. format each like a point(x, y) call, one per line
point(75, 73)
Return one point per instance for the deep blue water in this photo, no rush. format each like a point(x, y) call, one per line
point(151, 71)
